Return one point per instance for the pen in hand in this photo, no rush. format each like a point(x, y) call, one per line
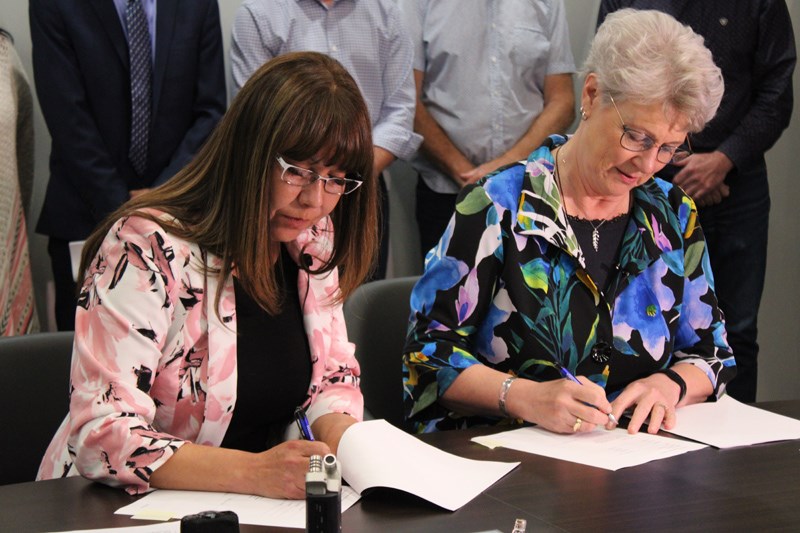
point(568, 375)
point(302, 424)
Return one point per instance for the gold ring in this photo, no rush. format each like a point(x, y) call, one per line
point(577, 425)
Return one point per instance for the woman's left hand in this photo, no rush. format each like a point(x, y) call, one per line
point(654, 396)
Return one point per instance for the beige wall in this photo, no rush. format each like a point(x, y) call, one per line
point(780, 309)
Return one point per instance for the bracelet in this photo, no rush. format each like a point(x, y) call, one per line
point(501, 401)
point(674, 376)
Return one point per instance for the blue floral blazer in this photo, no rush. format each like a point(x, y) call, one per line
point(507, 287)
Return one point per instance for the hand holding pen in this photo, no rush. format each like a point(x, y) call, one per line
point(570, 376)
point(280, 471)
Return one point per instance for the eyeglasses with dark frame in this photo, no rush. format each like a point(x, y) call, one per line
point(303, 177)
point(637, 141)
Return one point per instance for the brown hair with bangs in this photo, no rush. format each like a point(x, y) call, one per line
point(299, 105)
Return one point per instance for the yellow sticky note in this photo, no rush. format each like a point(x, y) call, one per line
point(153, 514)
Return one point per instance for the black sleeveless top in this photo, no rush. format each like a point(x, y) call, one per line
point(601, 263)
point(273, 362)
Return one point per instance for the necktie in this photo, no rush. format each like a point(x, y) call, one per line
point(141, 83)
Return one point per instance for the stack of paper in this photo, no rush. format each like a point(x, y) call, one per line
point(377, 454)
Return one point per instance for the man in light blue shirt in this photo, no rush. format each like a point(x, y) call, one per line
point(493, 80)
point(367, 37)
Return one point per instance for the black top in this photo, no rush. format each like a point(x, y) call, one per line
point(752, 41)
point(273, 362)
point(601, 263)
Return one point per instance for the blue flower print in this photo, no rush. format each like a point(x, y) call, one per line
point(639, 308)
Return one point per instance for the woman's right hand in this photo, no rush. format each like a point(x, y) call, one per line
point(554, 405)
point(557, 405)
point(280, 472)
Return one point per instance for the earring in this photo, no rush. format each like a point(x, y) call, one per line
point(584, 116)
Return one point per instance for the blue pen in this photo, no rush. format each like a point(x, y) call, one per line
point(302, 424)
point(568, 375)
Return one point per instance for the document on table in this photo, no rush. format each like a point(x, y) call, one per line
point(377, 454)
point(611, 450)
point(727, 423)
point(168, 504)
point(371, 454)
point(168, 527)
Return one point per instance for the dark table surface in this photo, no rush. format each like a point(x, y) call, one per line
point(753, 488)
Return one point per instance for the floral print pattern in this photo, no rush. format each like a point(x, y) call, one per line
point(507, 287)
point(154, 364)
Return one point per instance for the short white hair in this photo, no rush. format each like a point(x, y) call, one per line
point(649, 57)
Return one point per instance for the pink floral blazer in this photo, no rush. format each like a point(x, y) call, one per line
point(154, 365)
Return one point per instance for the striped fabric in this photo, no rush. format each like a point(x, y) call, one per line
point(17, 308)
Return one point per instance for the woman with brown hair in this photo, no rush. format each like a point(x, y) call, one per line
point(211, 306)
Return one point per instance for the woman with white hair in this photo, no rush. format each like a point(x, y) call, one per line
point(579, 262)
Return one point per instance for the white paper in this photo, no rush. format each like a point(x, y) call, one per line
point(169, 527)
point(371, 454)
point(611, 450)
point(727, 423)
point(165, 504)
point(75, 250)
point(377, 454)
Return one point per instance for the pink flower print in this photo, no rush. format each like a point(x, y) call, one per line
point(661, 240)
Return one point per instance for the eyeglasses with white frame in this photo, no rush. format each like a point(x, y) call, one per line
point(638, 141)
point(303, 177)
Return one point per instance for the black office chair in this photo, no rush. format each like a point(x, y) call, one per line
point(34, 399)
point(377, 316)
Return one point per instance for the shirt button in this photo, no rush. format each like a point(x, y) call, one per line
point(334, 48)
point(494, 59)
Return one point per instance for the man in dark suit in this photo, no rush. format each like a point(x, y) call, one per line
point(753, 43)
point(83, 81)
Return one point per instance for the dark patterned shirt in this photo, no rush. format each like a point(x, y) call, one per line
point(507, 287)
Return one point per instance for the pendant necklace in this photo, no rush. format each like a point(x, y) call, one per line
point(595, 229)
point(596, 235)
